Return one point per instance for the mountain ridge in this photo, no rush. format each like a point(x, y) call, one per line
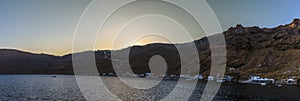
point(267, 52)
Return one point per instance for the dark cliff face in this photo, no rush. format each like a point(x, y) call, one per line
point(267, 52)
point(285, 37)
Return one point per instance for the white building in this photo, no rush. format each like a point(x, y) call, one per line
point(291, 81)
point(210, 78)
point(148, 74)
point(259, 80)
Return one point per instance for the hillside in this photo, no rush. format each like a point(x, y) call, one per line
point(267, 52)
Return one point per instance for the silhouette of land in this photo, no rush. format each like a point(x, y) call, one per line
point(266, 52)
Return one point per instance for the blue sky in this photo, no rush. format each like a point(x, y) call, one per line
point(263, 13)
point(47, 26)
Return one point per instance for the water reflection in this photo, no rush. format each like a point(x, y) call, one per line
point(64, 87)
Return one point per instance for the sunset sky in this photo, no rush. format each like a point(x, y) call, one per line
point(47, 26)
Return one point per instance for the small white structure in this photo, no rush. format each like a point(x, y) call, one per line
point(187, 77)
point(184, 76)
point(231, 69)
point(103, 74)
point(191, 77)
point(259, 80)
point(210, 78)
point(220, 80)
point(263, 84)
point(291, 81)
point(200, 77)
point(172, 75)
point(110, 74)
point(225, 78)
point(141, 75)
point(148, 74)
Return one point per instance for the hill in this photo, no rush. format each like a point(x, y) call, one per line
point(266, 52)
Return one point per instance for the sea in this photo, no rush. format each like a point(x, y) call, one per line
point(83, 88)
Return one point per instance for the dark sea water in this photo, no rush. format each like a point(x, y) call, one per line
point(65, 87)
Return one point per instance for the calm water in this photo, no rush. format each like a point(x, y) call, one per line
point(64, 87)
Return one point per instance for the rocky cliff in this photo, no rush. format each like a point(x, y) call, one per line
point(266, 52)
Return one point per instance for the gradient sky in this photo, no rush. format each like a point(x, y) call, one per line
point(47, 26)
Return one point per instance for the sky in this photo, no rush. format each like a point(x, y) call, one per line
point(47, 26)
